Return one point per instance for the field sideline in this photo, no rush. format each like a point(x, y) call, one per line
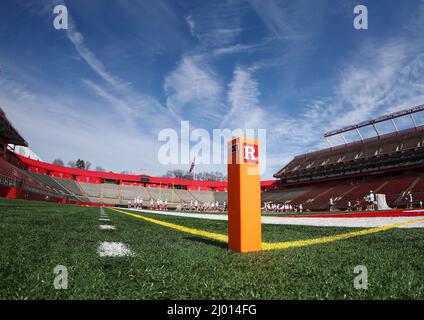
point(169, 264)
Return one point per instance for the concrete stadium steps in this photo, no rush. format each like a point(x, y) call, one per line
point(309, 196)
point(164, 194)
point(363, 190)
point(283, 195)
point(47, 180)
point(337, 192)
point(129, 193)
point(419, 185)
point(91, 189)
point(13, 176)
point(64, 192)
point(203, 196)
point(417, 190)
point(110, 201)
point(73, 188)
point(321, 200)
point(221, 197)
point(110, 191)
point(184, 195)
point(70, 185)
point(394, 188)
point(153, 193)
point(33, 184)
point(95, 199)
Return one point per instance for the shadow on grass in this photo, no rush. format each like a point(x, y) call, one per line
point(210, 242)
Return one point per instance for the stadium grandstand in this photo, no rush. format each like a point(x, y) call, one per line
point(388, 164)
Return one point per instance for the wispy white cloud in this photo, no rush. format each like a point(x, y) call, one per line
point(191, 24)
point(216, 23)
point(120, 106)
point(243, 99)
point(236, 48)
point(295, 28)
point(193, 90)
point(91, 59)
point(278, 20)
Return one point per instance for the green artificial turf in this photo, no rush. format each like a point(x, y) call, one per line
point(169, 264)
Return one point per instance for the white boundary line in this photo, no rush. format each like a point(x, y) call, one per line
point(369, 222)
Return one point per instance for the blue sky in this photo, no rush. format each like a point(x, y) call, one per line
point(124, 70)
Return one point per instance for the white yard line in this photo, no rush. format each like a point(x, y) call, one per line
point(370, 222)
point(114, 249)
point(106, 227)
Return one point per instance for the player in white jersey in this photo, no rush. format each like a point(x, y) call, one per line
point(411, 201)
point(372, 200)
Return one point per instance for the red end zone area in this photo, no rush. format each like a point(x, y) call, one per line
point(364, 214)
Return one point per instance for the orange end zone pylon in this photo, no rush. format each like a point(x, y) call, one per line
point(244, 196)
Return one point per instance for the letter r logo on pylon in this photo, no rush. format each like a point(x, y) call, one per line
point(250, 153)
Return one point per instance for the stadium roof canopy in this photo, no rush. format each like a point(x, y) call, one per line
point(388, 117)
point(8, 133)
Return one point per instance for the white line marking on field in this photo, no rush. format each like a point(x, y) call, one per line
point(114, 249)
point(104, 219)
point(106, 227)
point(369, 222)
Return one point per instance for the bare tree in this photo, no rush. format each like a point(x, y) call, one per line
point(204, 176)
point(72, 164)
point(58, 162)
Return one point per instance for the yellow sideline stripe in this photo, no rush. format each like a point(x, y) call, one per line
point(274, 245)
point(206, 234)
point(342, 236)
